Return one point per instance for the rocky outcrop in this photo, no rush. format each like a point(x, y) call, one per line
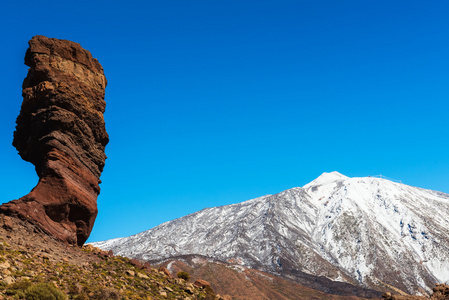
point(201, 283)
point(440, 292)
point(61, 131)
point(165, 271)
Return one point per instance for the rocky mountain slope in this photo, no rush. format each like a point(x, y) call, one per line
point(34, 265)
point(243, 283)
point(367, 231)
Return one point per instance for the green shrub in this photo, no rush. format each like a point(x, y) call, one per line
point(183, 275)
point(81, 296)
point(18, 288)
point(44, 291)
point(210, 294)
point(3, 285)
point(105, 294)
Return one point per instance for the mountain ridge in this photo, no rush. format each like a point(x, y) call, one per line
point(361, 230)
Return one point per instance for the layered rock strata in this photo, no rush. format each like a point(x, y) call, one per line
point(61, 130)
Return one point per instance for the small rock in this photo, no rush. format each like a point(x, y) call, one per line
point(89, 247)
point(5, 265)
point(141, 275)
point(6, 222)
point(165, 271)
point(6, 272)
point(201, 283)
point(147, 267)
point(136, 263)
point(163, 293)
point(131, 273)
point(189, 289)
point(9, 279)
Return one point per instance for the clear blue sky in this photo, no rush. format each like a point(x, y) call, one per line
point(215, 102)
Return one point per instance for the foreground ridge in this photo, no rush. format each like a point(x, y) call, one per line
point(34, 265)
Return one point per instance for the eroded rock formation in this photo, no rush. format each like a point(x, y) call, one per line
point(61, 131)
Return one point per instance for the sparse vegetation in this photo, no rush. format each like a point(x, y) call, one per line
point(210, 294)
point(39, 276)
point(44, 291)
point(183, 275)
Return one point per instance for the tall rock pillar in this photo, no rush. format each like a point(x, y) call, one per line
point(61, 130)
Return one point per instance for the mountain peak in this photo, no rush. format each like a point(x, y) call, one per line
point(360, 231)
point(327, 178)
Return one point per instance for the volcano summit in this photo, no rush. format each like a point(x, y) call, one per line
point(367, 231)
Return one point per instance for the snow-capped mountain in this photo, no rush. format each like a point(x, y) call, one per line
point(369, 231)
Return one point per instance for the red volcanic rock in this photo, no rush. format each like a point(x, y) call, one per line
point(165, 271)
point(136, 263)
point(61, 131)
point(147, 267)
point(201, 283)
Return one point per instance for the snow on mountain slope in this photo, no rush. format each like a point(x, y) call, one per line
point(369, 231)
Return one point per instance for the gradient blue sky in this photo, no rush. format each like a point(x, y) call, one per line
point(215, 102)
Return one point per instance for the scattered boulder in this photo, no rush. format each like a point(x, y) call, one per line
point(141, 275)
point(61, 130)
point(163, 294)
point(201, 283)
point(9, 280)
point(6, 222)
point(136, 263)
point(98, 251)
point(4, 265)
point(165, 271)
point(189, 289)
point(146, 266)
